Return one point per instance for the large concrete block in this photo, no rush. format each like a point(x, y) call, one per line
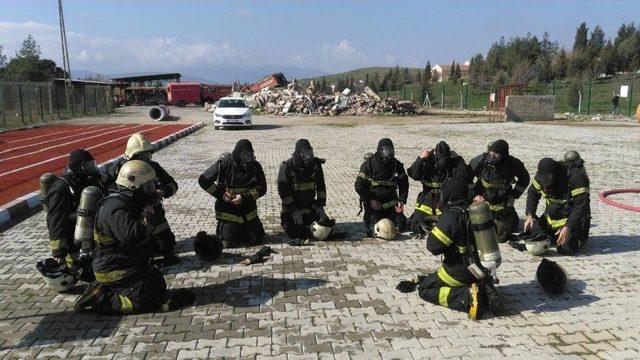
point(529, 108)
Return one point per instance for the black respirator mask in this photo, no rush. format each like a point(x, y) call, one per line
point(387, 153)
point(441, 160)
point(146, 194)
point(247, 158)
point(306, 155)
point(494, 158)
point(90, 171)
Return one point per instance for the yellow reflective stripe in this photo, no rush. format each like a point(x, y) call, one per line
point(443, 296)
point(493, 185)
point(448, 279)
point(126, 307)
point(56, 244)
point(70, 259)
point(536, 185)
point(255, 194)
point(109, 277)
point(578, 191)
point(389, 204)
point(435, 185)
point(473, 309)
point(556, 224)
point(102, 240)
point(304, 186)
point(236, 218)
point(288, 200)
point(428, 210)
point(384, 183)
point(161, 227)
point(363, 175)
point(496, 207)
point(462, 249)
point(212, 189)
point(440, 235)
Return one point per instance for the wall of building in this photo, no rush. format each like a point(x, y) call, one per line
point(529, 108)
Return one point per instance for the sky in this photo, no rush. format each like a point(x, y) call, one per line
point(211, 38)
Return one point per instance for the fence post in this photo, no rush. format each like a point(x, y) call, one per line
point(3, 110)
point(21, 105)
point(442, 96)
point(589, 99)
point(95, 99)
point(466, 96)
point(630, 97)
point(41, 104)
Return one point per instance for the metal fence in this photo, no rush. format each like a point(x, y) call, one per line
point(26, 103)
point(596, 95)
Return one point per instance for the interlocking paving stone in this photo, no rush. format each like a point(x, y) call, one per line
point(337, 299)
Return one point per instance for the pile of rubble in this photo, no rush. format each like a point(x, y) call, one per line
point(295, 100)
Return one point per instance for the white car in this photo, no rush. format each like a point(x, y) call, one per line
point(232, 112)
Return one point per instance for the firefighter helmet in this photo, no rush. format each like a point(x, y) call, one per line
point(134, 173)
point(58, 277)
point(137, 144)
point(385, 229)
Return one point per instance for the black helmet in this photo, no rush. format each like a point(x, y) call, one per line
point(573, 158)
point(207, 247)
point(553, 277)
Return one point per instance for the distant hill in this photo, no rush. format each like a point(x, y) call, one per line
point(360, 74)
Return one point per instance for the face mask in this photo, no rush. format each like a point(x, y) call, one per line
point(493, 158)
point(387, 153)
point(247, 157)
point(148, 190)
point(441, 160)
point(306, 156)
point(89, 168)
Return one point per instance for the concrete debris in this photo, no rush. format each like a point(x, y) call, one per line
point(293, 100)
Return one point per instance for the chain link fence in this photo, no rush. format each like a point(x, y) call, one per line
point(595, 96)
point(27, 103)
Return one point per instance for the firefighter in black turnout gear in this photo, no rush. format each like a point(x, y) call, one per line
point(237, 181)
point(383, 187)
point(564, 186)
point(461, 283)
point(431, 169)
point(139, 148)
point(124, 227)
point(496, 171)
point(62, 200)
point(303, 192)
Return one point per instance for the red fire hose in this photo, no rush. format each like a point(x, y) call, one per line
point(604, 198)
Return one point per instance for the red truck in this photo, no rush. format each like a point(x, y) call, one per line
point(183, 93)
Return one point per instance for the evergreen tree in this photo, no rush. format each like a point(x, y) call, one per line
point(580, 41)
point(426, 76)
point(559, 65)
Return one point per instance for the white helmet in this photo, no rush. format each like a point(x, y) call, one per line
point(136, 144)
point(58, 277)
point(385, 229)
point(537, 246)
point(319, 231)
point(134, 173)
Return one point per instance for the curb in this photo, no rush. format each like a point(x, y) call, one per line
point(22, 208)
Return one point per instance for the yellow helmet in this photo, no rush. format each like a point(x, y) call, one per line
point(134, 173)
point(136, 144)
point(385, 229)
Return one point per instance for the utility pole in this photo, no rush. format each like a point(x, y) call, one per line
point(68, 87)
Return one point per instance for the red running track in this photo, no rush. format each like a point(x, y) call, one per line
point(27, 154)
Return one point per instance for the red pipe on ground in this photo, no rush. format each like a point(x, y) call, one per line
point(604, 198)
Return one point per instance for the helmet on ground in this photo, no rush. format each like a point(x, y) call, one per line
point(137, 144)
point(58, 277)
point(537, 244)
point(134, 173)
point(207, 247)
point(322, 229)
point(385, 229)
point(552, 277)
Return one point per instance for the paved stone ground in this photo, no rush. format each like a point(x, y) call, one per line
point(337, 299)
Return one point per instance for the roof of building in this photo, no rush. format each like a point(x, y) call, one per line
point(148, 77)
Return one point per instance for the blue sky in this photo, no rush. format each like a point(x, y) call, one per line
point(328, 36)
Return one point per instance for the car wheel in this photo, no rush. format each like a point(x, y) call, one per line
point(216, 127)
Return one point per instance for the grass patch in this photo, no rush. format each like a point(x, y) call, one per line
point(341, 125)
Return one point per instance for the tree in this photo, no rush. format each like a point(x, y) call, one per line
point(323, 85)
point(608, 62)
point(418, 77)
point(406, 77)
point(375, 84)
point(3, 58)
point(580, 41)
point(426, 75)
point(454, 73)
point(30, 49)
point(476, 70)
point(573, 92)
point(559, 65)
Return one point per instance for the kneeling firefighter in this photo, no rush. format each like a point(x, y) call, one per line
point(565, 189)
point(465, 235)
point(140, 148)
point(64, 198)
point(237, 181)
point(303, 193)
point(496, 171)
point(431, 169)
point(383, 187)
point(125, 222)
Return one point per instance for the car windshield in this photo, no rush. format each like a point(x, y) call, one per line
point(231, 103)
